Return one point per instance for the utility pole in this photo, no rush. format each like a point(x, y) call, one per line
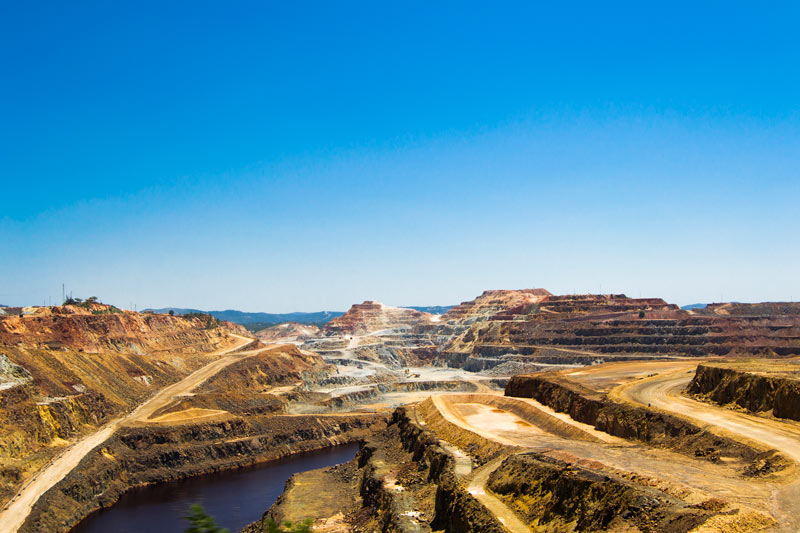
point(63, 294)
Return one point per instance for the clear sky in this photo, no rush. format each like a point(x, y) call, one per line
point(293, 156)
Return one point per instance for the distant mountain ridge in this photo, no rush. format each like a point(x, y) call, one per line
point(703, 306)
point(693, 306)
point(261, 319)
point(432, 309)
point(258, 321)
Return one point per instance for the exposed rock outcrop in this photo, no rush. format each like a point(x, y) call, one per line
point(404, 480)
point(123, 332)
point(759, 386)
point(554, 495)
point(493, 302)
point(64, 372)
point(639, 423)
point(373, 316)
point(595, 328)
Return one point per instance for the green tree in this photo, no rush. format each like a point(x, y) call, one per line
point(300, 527)
point(202, 522)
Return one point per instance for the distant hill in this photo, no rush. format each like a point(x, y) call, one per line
point(258, 321)
point(433, 309)
point(253, 321)
point(703, 306)
point(694, 306)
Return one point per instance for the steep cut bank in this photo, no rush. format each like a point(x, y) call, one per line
point(404, 479)
point(641, 424)
point(423, 474)
point(537, 327)
point(760, 386)
point(229, 417)
point(554, 495)
point(65, 372)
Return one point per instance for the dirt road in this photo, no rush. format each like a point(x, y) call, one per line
point(663, 392)
point(17, 511)
point(694, 480)
point(495, 505)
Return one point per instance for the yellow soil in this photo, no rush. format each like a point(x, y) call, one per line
point(192, 414)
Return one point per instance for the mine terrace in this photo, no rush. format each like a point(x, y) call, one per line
point(519, 410)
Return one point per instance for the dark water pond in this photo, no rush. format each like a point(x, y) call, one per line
point(234, 498)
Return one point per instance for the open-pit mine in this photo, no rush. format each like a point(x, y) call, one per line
point(519, 410)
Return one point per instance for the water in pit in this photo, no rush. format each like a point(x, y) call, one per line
point(235, 498)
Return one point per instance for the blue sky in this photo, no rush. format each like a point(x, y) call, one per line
point(305, 156)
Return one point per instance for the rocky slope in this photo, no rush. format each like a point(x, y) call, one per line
point(582, 329)
point(493, 302)
point(763, 309)
point(65, 372)
point(404, 479)
point(770, 387)
point(373, 316)
point(288, 332)
point(641, 424)
point(236, 417)
point(422, 474)
point(261, 384)
point(555, 495)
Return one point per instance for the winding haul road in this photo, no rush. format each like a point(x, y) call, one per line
point(705, 480)
point(14, 515)
point(664, 392)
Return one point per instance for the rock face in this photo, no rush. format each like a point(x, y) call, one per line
point(636, 423)
point(403, 479)
point(589, 328)
point(248, 387)
point(762, 386)
point(372, 316)
point(554, 495)
point(495, 302)
point(65, 372)
point(418, 475)
point(288, 332)
point(125, 332)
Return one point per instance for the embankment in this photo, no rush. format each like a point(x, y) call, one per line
point(404, 479)
point(639, 423)
point(755, 391)
point(374, 392)
point(398, 471)
point(64, 376)
point(553, 495)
